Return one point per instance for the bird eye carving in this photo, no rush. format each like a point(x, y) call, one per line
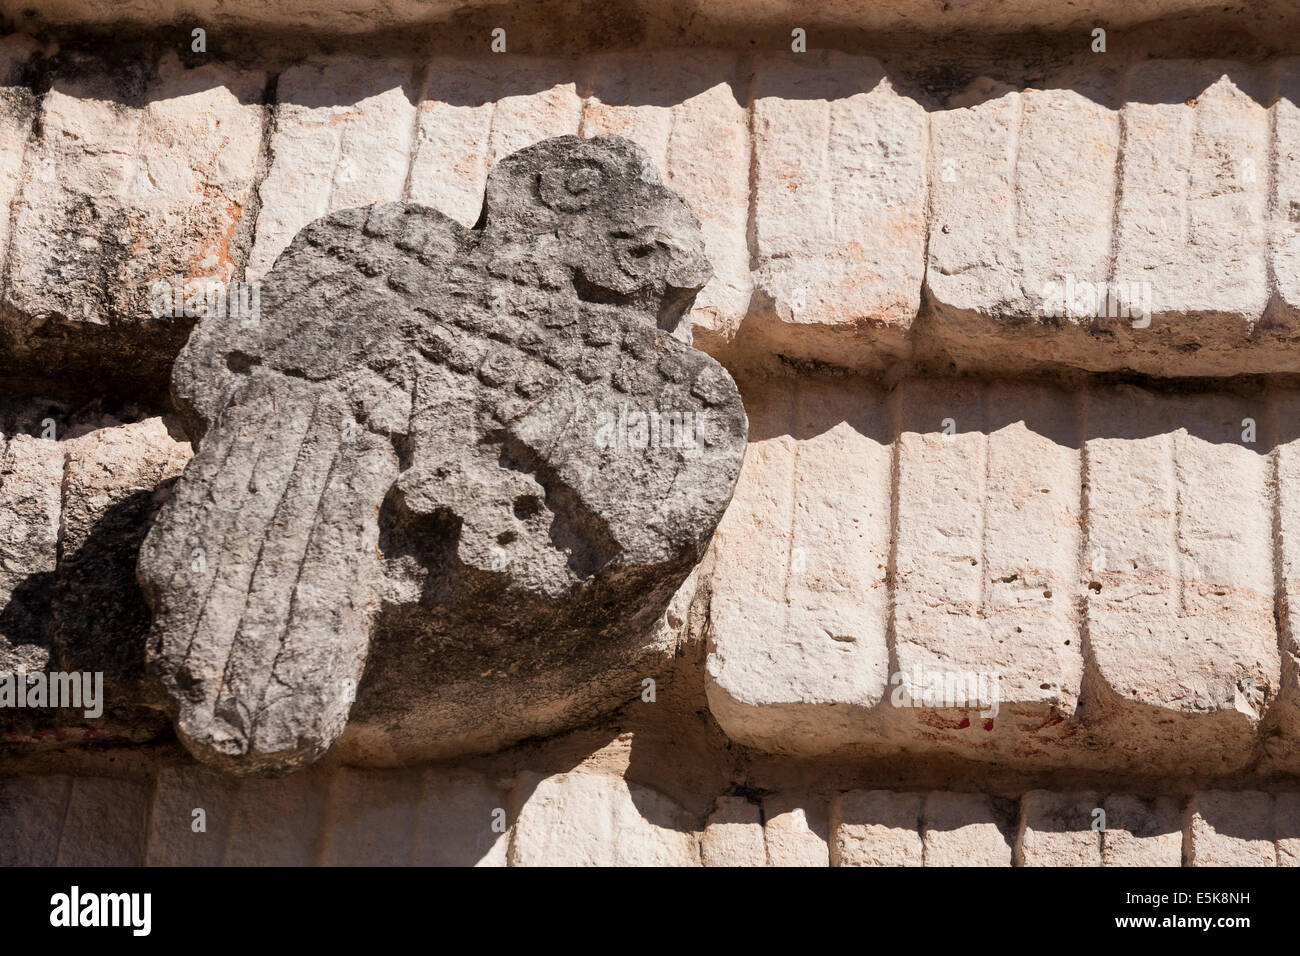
point(568, 189)
point(640, 257)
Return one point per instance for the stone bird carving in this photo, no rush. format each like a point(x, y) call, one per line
point(490, 435)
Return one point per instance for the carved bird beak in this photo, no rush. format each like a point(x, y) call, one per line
point(688, 263)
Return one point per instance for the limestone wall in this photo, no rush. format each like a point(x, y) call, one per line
point(960, 464)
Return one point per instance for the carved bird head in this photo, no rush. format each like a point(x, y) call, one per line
point(598, 208)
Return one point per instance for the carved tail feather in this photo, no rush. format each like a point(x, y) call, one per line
point(263, 576)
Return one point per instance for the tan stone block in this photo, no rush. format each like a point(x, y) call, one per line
point(132, 181)
point(461, 821)
point(99, 619)
point(1056, 829)
point(964, 829)
point(796, 830)
point(987, 579)
point(1283, 720)
point(539, 99)
point(839, 199)
point(32, 812)
point(876, 828)
point(371, 818)
point(106, 823)
point(587, 819)
point(1191, 216)
point(475, 111)
point(1021, 196)
point(343, 138)
point(1286, 828)
point(800, 605)
point(281, 821)
point(1284, 214)
point(31, 474)
point(178, 793)
point(450, 162)
point(733, 835)
point(1181, 634)
point(1230, 828)
point(681, 107)
point(1142, 831)
point(20, 108)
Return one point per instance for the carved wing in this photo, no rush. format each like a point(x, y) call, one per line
point(263, 566)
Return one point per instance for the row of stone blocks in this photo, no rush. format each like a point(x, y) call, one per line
point(850, 219)
point(185, 817)
point(1098, 577)
point(1116, 567)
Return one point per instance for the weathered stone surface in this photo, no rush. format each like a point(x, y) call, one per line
point(114, 479)
point(1230, 828)
point(279, 822)
point(78, 489)
point(660, 22)
point(796, 830)
point(1182, 647)
point(886, 548)
point(682, 108)
point(462, 820)
point(18, 109)
point(876, 828)
point(31, 474)
point(342, 138)
point(1142, 831)
point(986, 641)
point(965, 829)
point(105, 823)
point(1286, 828)
point(1050, 246)
point(477, 442)
point(449, 165)
point(476, 111)
point(1282, 722)
point(733, 835)
point(141, 174)
point(799, 610)
point(178, 834)
point(862, 195)
point(1021, 193)
point(1056, 829)
point(598, 819)
point(839, 209)
point(32, 811)
point(1194, 229)
point(585, 819)
point(1123, 560)
point(372, 818)
point(1284, 213)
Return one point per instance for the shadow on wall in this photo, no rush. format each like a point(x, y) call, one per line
point(88, 616)
point(657, 79)
point(338, 817)
point(1255, 419)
